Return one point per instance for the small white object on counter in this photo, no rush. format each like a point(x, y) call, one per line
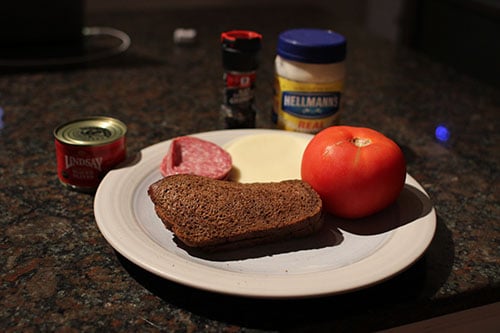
point(185, 36)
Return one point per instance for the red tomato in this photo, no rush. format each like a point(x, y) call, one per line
point(356, 171)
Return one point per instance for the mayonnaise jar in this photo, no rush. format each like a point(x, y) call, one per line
point(309, 79)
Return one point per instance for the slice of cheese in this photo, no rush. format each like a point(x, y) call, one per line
point(267, 157)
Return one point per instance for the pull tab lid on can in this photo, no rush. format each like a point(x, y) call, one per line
point(312, 46)
point(240, 48)
point(91, 131)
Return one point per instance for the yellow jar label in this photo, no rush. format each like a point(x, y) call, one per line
point(306, 107)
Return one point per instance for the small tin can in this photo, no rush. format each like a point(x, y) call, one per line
point(86, 149)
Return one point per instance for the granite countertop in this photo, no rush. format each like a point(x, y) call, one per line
point(58, 273)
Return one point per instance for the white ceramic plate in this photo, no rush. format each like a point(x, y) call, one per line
point(344, 256)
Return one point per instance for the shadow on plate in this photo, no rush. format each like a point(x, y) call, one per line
point(130, 161)
point(328, 235)
point(411, 205)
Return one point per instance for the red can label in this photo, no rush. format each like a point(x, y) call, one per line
point(85, 167)
point(87, 149)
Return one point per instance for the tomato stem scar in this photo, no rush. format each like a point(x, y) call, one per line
point(361, 142)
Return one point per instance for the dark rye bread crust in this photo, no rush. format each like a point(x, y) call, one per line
point(217, 214)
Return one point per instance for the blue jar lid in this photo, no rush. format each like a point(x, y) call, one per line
point(314, 46)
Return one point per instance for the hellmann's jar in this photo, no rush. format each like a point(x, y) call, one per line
point(309, 79)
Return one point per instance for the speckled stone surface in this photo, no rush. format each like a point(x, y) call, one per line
point(58, 273)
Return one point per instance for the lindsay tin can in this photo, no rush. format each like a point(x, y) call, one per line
point(86, 149)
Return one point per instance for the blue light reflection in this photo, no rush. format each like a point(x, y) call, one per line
point(442, 133)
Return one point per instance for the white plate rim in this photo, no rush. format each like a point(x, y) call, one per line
point(116, 221)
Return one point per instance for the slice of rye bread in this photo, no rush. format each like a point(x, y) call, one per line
point(217, 214)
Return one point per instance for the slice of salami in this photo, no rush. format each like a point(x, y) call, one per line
point(190, 155)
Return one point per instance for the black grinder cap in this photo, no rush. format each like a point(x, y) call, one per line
point(239, 50)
